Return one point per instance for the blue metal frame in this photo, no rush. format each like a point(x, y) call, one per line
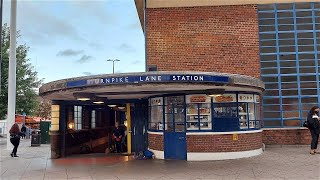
point(295, 21)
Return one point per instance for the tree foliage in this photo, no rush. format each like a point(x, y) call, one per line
point(44, 109)
point(26, 79)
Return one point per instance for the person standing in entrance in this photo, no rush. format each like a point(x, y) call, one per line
point(314, 127)
point(23, 131)
point(15, 138)
point(117, 135)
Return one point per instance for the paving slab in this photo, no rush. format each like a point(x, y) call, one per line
point(277, 162)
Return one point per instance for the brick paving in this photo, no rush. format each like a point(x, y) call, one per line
point(277, 162)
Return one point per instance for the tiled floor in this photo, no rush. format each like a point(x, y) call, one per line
point(287, 162)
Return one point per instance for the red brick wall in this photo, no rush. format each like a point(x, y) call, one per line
point(218, 38)
point(286, 136)
point(156, 142)
point(223, 142)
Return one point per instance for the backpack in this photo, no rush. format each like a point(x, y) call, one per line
point(306, 124)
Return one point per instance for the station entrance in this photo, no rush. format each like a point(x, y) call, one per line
point(119, 127)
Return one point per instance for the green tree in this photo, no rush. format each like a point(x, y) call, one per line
point(44, 109)
point(27, 81)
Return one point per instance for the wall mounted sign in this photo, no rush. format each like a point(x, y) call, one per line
point(245, 98)
point(149, 79)
point(256, 98)
point(198, 98)
point(235, 137)
point(225, 98)
point(156, 101)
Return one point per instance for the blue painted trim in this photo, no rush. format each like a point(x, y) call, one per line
point(297, 61)
point(316, 54)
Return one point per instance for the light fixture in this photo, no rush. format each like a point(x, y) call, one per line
point(121, 107)
point(82, 96)
point(214, 92)
point(83, 99)
point(70, 125)
point(98, 102)
point(112, 105)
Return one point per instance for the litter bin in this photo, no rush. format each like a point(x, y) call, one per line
point(35, 138)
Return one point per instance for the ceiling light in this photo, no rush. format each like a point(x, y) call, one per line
point(98, 102)
point(112, 105)
point(121, 107)
point(83, 99)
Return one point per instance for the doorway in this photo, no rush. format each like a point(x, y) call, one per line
point(175, 146)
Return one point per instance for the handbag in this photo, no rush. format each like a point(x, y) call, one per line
point(305, 124)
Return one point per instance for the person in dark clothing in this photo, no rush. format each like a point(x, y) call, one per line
point(117, 135)
point(15, 139)
point(23, 131)
point(314, 127)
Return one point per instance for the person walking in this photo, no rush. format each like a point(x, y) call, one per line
point(15, 138)
point(314, 127)
point(117, 135)
point(23, 131)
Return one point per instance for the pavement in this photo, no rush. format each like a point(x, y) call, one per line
point(277, 162)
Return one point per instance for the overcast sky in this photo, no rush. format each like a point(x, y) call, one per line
point(70, 38)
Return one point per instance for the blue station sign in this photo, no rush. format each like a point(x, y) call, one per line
point(149, 79)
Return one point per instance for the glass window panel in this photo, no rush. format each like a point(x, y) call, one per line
point(268, 64)
point(266, 22)
point(271, 86)
point(287, 49)
point(305, 113)
point(290, 107)
point(288, 63)
point(286, 35)
point(284, 6)
point(287, 42)
point(290, 92)
point(271, 93)
point(305, 35)
point(285, 28)
point(274, 123)
point(307, 63)
point(268, 49)
point(267, 36)
point(265, 7)
point(169, 122)
point(268, 43)
point(289, 85)
point(309, 100)
point(303, 20)
point(269, 71)
point(258, 111)
point(271, 101)
point(308, 78)
point(303, 5)
point(307, 107)
point(307, 70)
point(306, 56)
point(288, 70)
point(303, 13)
point(305, 85)
point(266, 28)
point(271, 114)
point(266, 15)
point(268, 57)
point(317, 13)
point(305, 41)
point(309, 91)
point(290, 114)
point(305, 27)
point(156, 117)
point(284, 14)
point(305, 48)
point(291, 123)
point(287, 57)
point(288, 78)
point(225, 110)
point(286, 21)
point(270, 79)
point(271, 108)
point(290, 101)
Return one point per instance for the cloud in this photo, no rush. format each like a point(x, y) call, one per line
point(136, 62)
point(87, 73)
point(126, 48)
point(69, 52)
point(84, 59)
